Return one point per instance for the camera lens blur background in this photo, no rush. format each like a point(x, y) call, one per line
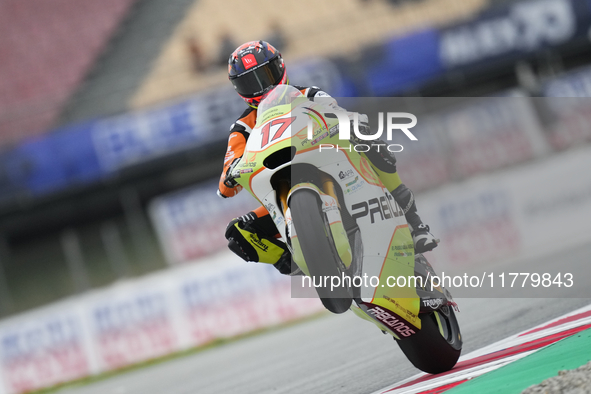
point(114, 119)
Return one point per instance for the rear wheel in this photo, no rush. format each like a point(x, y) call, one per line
point(313, 231)
point(437, 346)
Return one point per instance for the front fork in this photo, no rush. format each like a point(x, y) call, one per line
point(327, 188)
point(330, 207)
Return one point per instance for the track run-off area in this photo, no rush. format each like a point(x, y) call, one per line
point(338, 353)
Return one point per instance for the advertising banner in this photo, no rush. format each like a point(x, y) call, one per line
point(130, 325)
point(43, 349)
point(510, 31)
point(232, 298)
point(501, 34)
point(83, 153)
point(142, 319)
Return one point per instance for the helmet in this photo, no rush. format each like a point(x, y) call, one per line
point(254, 68)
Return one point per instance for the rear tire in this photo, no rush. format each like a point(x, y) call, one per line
point(431, 351)
point(315, 237)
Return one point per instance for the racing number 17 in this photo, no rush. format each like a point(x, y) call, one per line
point(284, 124)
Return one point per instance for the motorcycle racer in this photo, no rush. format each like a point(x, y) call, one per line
point(254, 68)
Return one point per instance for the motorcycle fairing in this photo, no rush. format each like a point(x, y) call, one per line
point(387, 243)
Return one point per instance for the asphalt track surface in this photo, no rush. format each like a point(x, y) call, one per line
point(331, 354)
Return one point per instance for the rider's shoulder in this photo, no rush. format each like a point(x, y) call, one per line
point(245, 122)
point(311, 91)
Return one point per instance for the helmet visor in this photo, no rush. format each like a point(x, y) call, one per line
point(255, 82)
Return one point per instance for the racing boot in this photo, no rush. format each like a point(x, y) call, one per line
point(286, 266)
point(423, 240)
point(248, 237)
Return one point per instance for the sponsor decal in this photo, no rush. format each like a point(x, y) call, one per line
point(334, 130)
point(330, 205)
point(250, 164)
point(346, 174)
point(256, 241)
point(249, 61)
point(432, 303)
point(315, 134)
point(402, 247)
point(278, 220)
point(354, 187)
point(381, 208)
point(402, 250)
point(352, 182)
point(246, 171)
point(323, 136)
point(390, 320)
point(410, 314)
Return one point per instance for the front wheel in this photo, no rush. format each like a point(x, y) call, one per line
point(317, 244)
point(437, 346)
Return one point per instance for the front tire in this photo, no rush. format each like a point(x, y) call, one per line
point(315, 237)
point(437, 346)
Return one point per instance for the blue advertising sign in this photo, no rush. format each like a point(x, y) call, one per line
point(513, 30)
point(49, 163)
point(134, 138)
point(405, 63)
point(503, 33)
point(87, 152)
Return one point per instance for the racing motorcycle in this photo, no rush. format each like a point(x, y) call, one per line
point(343, 227)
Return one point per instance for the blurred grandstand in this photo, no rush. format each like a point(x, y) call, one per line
point(106, 107)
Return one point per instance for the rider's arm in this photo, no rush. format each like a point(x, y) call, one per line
point(235, 150)
point(239, 133)
point(315, 92)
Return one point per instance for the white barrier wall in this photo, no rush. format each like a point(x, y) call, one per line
point(142, 319)
point(44, 347)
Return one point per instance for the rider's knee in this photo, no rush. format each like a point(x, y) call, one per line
point(250, 245)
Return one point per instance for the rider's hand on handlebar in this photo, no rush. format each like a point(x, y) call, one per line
point(229, 180)
point(362, 127)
